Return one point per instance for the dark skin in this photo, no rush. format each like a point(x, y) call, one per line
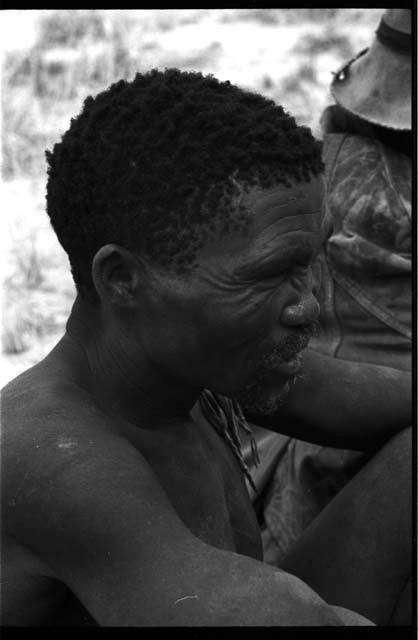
point(122, 510)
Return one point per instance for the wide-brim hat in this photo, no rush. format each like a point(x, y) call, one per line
point(376, 84)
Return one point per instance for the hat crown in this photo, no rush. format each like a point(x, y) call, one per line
point(398, 19)
point(376, 84)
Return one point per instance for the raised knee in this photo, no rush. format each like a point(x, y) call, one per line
point(401, 444)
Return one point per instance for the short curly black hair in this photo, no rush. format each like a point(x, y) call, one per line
point(158, 163)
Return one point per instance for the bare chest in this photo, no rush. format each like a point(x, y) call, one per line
point(206, 486)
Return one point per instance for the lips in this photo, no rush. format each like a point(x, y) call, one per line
point(286, 356)
point(290, 367)
point(281, 359)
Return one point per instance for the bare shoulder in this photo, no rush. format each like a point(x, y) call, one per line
point(43, 415)
point(60, 451)
point(78, 493)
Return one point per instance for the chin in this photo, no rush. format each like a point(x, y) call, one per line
point(257, 399)
point(267, 389)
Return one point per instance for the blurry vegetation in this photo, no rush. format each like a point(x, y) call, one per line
point(39, 293)
point(81, 52)
point(283, 16)
point(69, 28)
point(314, 44)
point(77, 53)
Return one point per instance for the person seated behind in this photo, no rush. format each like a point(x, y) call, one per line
point(366, 292)
point(191, 211)
point(365, 268)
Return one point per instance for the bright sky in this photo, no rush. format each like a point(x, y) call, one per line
point(18, 28)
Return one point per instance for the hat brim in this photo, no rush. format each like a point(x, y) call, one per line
point(377, 87)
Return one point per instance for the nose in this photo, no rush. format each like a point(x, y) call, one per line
point(304, 311)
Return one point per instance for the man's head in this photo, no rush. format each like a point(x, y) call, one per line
point(187, 200)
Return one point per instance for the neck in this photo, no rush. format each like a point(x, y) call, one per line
point(118, 372)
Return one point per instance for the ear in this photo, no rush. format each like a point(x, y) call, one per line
point(117, 275)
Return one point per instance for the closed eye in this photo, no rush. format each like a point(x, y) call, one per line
point(294, 262)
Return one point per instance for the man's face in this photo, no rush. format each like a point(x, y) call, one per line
point(237, 323)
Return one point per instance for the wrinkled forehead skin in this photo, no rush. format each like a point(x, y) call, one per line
point(282, 210)
point(280, 218)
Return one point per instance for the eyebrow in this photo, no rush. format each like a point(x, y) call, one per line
point(304, 254)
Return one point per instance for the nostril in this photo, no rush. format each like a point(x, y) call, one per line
point(304, 312)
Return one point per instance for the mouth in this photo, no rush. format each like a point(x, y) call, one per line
point(276, 363)
point(285, 359)
point(289, 367)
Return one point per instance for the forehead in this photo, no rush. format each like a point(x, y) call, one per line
point(281, 218)
point(285, 209)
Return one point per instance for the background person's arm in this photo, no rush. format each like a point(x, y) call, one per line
point(339, 403)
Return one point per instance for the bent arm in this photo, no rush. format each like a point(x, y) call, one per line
point(102, 522)
point(345, 404)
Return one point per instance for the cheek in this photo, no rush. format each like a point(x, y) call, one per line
point(246, 317)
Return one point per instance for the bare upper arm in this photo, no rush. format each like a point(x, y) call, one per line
point(92, 509)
